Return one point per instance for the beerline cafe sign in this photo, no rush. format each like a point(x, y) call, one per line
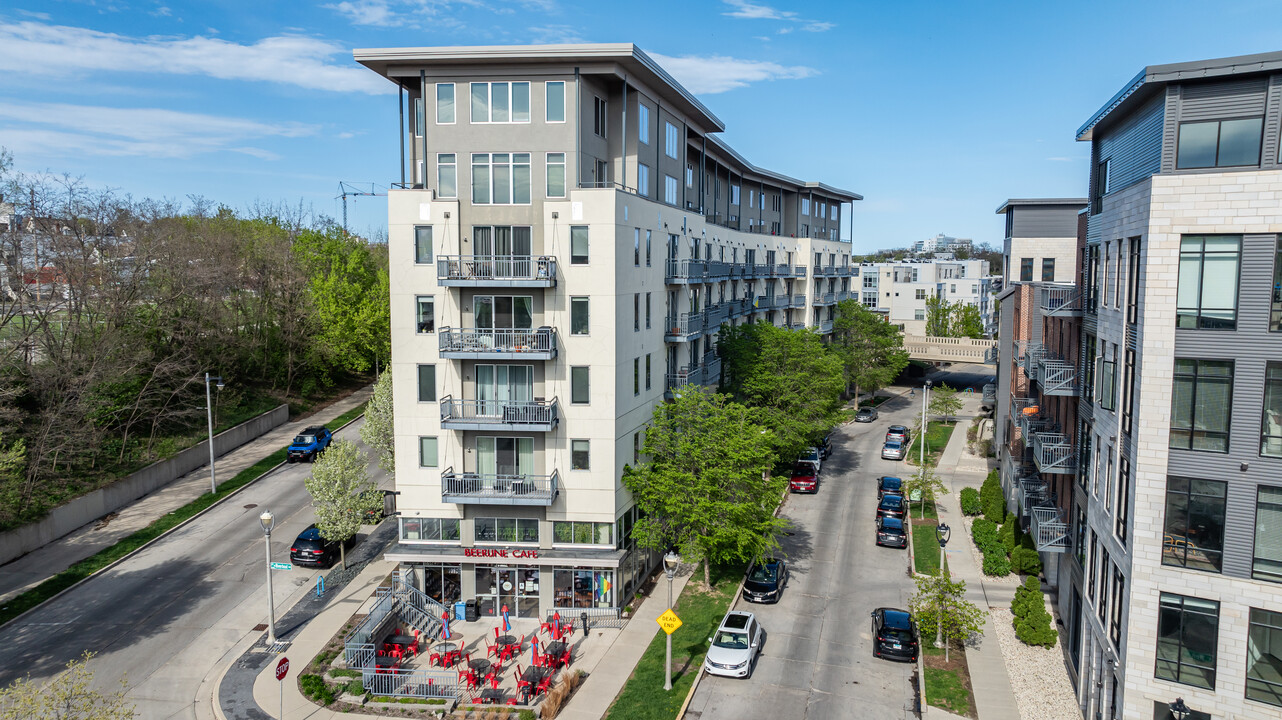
point(500, 552)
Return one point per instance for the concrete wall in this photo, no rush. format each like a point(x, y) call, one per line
point(87, 508)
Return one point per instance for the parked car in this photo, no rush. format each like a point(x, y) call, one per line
point(825, 446)
point(889, 484)
point(893, 450)
point(310, 548)
point(308, 444)
point(894, 635)
point(813, 455)
point(891, 506)
point(735, 645)
point(866, 414)
point(890, 532)
point(766, 580)
point(898, 433)
point(805, 477)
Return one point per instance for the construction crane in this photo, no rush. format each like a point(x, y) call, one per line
point(346, 190)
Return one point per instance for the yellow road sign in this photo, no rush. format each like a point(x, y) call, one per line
point(669, 621)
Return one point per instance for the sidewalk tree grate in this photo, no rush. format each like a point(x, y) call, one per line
point(260, 627)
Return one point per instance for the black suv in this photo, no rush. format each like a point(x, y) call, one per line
point(310, 548)
point(891, 506)
point(894, 635)
point(889, 484)
point(766, 580)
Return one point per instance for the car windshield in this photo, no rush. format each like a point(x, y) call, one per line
point(891, 502)
point(304, 439)
point(810, 454)
point(893, 446)
point(763, 574)
point(890, 483)
point(896, 634)
point(731, 640)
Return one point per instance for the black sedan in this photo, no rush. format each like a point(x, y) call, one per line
point(891, 506)
point(766, 580)
point(890, 533)
point(889, 484)
point(894, 635)
point(312, 549)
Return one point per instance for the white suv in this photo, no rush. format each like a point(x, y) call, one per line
point(735, 646)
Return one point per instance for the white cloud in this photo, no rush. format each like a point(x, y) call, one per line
point(68, 130)
point(815, 26)
point(556, 34)
point(753, 11)
point(718, 73)
point(60, 50)
point(366, 12)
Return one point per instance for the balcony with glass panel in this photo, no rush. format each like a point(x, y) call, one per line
point(500, 414)
point(497, 344)
point(1057, 376)
point(989, 393)
point(1053, 452)
point(684, 327)
point(493, 488)
point(1061, 301)
point(514, 271)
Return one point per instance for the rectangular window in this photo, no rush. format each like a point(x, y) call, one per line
point(647, 248)
point(647, 311)
point(598, 116)
point(580, 386)
point(427, 383)
point(1206, 296)
point(1275, 310)
point(1108, 481)
point(1048, 269)
point(1201, 404)
point(418, 117)
point(919, 314)
point(1133, 281)
point(1194, 534)
point(1115, 618)
point(1267, 561)
point(1128, 390)
point(1026, 270)
point(1219, 143)
point(1101, 188)
point(500, 102)
point(446, 175)
point(425, 317)
point(669, 190)
point(578, 316)
point(416, 528)
point(636, 376)
point(671, 141)
point(636, 312)
point(734, 194)
point(1109, 277)
point(1090, 582)
point(805, 206)
point(427, 456)
point(500, 178)
point(507, 530)
point(920, 294)
point(636, 247)
point(647, 371)
point(1101, 610)
point(636, 448)
point(643, 123)
point(579, 245)
point(422, 244)
point(556, 175)
point(554, 95)
point(1123, 499)
point(445, 103)
point(1106, 393)
point(1187, 635)
point(582, 533)
point(1264, 657)
point(643, 180)
point(579, 455)
point(1271, 425)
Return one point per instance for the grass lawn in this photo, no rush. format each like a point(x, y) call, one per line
point(948, 683)
point(925, 547)
point(937, 434)
point(643, 697)
point(83, 569)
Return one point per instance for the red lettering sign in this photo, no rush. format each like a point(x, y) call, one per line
point(499, 552)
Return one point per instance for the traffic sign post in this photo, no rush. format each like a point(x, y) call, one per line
point(282, 669)
point(282, 566)
point(668, 621)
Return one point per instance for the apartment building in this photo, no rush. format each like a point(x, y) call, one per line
point(900, 289)
point(942, 243)
point(1041, 239)
point(568, 236)
point(1178, 496)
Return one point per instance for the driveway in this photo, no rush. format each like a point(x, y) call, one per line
point(817, 661)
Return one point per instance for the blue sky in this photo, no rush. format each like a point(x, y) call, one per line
point(934, 111)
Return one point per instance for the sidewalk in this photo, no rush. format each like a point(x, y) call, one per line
point(39, 565)
point(990, 683)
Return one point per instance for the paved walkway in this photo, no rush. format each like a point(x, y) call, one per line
point(39, 565)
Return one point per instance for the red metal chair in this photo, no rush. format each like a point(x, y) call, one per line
point(495, 680)
point(511, 701)
point(491, 650)
point(566, 656)
point(435, 659)
point(521, 682)
point(544, 685)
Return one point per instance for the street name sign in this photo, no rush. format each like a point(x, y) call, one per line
point(282, 566)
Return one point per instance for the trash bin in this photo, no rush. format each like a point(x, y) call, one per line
point(460, 611)
point(472, 610)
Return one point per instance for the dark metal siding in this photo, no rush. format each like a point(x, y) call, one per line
point(1218, 100)
point(1250, 347)
point(1044, 221)
point(1134, 147)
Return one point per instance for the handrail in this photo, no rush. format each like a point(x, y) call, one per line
point(498, 486)
point(488, 340)
point(496, 267)
point(500, 412)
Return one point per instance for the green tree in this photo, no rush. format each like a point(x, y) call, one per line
point(349, 289)
point(965, 321)
point(926, 484)
point(940, 602)
point(342, 493)
point(937, 316)
point(705, 487)
point(378, 431)
point(945, 402)
point(70, 695)
point(871, 350)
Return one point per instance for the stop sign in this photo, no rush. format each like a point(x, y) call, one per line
point(282, 668)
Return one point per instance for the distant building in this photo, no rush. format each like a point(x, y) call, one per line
point(900, 289)
point(1041, 239)
point(942, 243)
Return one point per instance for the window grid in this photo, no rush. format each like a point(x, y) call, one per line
point(1201, 405)
point(1193, 536)
point(1207, 290)
point(1187, 635)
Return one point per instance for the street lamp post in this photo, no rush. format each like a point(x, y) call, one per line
point(209, 412)
point(942, 532)
point(670, 562)
point(922, 445)
point(268, 522)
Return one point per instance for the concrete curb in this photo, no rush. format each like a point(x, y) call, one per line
point(154, 540)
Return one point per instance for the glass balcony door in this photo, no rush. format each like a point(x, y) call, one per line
point(499, 385)
point(506, 250)
point(504, 457)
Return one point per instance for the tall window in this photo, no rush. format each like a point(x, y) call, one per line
point(445, 103)
point(554, 93)
point(1133, 281)
point(425, 317)
point(1090, 574)
point(598, 116)
point(422, 244)
point(636, 376)
point(643, 179)
point(1128, 390)
point(1271, 425)
point(805, 206)
point(1101, 187)
point(669, 190)
point(636, 247)
point(501, 178)
point(579, 245)
point(636, 448)
point(1026, 270)
point(1219, 143)
point(647, 311)
point(1201, 404)
point(427, 455)
point(1123, 498)
point(1101, 610)
point(1106, 392)
point(1115, 618)
point(636, 312)
point(447, 175)
point(647, 248)
point(1206, 296)
point(418, 117)
point(578, 316)
point(1267, 560)
point(1275, 311)
point(1264, 657)
point(556, 175)
point(734, 194)
point(1187, 634)
point(579, 455)
point(1048, 269)
point(580, 386)
point(647, 371)
point(643, 123)
point(671, 140)
point(1194, 533)
point(501, 102)
point(427, 383)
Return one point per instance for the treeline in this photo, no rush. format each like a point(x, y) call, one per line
point(112, 309)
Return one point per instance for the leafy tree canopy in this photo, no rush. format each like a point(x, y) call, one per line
point(342, 493)
point(70, 695)
point(870, 349)
point(378, 431)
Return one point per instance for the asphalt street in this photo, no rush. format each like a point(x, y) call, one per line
point(817, 660)
point(168, 616)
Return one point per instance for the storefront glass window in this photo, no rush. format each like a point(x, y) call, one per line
point(581, 588)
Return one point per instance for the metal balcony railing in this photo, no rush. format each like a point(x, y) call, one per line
point(1054, 453)
point(717, 270)
point(762, 271)
point(696, 376)
point(990, 355)
point(533, 416)
point(830, 270)
point(825, 298)
point(1061, 301)
point(799, 271)
point(686, 326)
point(990, 393)
point(711, 369)
point(685, 271)
point(495, 271)
point(1057, 376)
point(825, 326)
point(1049, 529)
point(736, 270)
point(798, 301)
point(497, 344)
point(715, 315)
point(1033, 353)
point(466, 488)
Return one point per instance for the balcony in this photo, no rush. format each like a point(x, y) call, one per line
point(495, 344)
point(1061, 301)
point(1033, 354)
point(825, 327)
point(989, 394)
point(513, 271)
point(684, 327)
point(1032, 493)
point(475, 489)
point(830, 270)
point(708, 374)
point(685, 272)
point(822, 299)
point(1057, 376)
point(535, 416)
point(1053, 453)
point(798, 301)
point(990, 355)
point(799, 271)
point(711, 369)
point(761, 271)
point(717, 270)
point(740, 307)
point(1050, 530)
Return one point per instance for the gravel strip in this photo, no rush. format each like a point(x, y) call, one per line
point(1037, 675)
point(978, 558)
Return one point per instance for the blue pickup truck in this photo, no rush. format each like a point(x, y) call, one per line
point(308, 444)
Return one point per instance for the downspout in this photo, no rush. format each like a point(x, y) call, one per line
point(658, 121)
point(422, 80)
point(685, 163)
point(703, 173)
point(578, 130)
point(400, 106)
point(623, 136)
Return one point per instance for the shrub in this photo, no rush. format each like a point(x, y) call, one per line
point(314, 687)
point(996, 564)
point(1007, 533)
point(1026, 560)
point(1032, 622)
point(970, 504)
point(984, 532)
point(354, 687)
point(990, 495)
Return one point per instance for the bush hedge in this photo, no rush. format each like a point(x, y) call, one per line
point(970, 503)
point(984, 532)
point(315, 687)
point(1033, 625)
point(992, 499)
